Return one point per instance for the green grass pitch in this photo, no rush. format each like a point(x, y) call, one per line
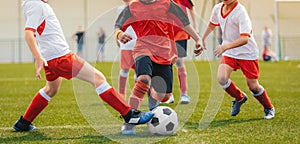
point(63, 121)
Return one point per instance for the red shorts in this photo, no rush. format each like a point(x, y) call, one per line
point(249, 67)
point(127, 60)
point(66, 66)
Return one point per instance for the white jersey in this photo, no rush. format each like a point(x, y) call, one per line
point(233, 25)
point(41, 19)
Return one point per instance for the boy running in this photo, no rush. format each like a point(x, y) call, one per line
point(155, 49)
point(47, 44)
point(239, 51)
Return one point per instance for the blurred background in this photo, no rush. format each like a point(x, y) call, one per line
point(281, 16)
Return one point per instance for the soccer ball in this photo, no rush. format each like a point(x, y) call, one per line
point(164, 121)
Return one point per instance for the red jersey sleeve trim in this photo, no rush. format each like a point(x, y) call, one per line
point(225, 15)
point(214, 24)
point(31, 29)
point(245, 34)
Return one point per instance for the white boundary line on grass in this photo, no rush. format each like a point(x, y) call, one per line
point(52, 127)
point(18, 79)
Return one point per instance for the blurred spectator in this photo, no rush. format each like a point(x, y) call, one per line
point(101, 44)
point(79, 37)
point(267, 54)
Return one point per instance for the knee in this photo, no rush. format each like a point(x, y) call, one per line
point(222, 80)
point(124, 72)
point(51, 92)
point(253, 87)
point(179, 62)
point(144, 79)
point(98, 79)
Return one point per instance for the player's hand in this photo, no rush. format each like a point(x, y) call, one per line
point(219, 50)
point(39, 64)
point(199, 48)
point(124, 37)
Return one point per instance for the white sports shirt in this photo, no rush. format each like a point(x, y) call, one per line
point(233, 25)
point(41, 19)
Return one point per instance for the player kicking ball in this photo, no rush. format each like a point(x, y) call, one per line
point(51, 52)
point(239, 51)
point(155, 50)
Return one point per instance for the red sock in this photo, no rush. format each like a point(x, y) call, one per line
point(264, 100)
point(138, 93)
point(182, 76)
point(234, 91)
point(159, 96)
point(122, 85)
point(37, 105)
point(111, 97)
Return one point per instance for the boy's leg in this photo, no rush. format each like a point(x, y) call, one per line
point(142, 85)
point(162, 82)
point(126, 62)
point(262, 97)
point(224, 71)
point(110, 96)
point(251, 71)
point(233, 90)
point(144, 71)
point(182, 74)
point(123, 76)
point(152, 103)
point(37, 105)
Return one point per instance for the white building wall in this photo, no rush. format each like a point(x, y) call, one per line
point(94, 13)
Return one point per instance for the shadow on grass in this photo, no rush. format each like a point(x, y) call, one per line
point(221, 123)
point(40, 137)
point(37, 137)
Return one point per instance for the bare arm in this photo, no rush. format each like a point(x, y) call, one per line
point(191, 31)
point(222, 48)
point(39, 60)
point(242, 40)
point(119, 34)
point(194, 19)
point(208, 30)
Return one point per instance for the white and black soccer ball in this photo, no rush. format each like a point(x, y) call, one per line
point(164, 121)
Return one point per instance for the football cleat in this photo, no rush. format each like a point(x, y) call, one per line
point(269, 113)
point(184, 99)
point(127, 129)
point(137, 117)
point(23, 125)
point(170, 100)
point(237, 105)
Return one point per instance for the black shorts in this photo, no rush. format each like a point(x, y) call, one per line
point(162, 75)
point(181, 46)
